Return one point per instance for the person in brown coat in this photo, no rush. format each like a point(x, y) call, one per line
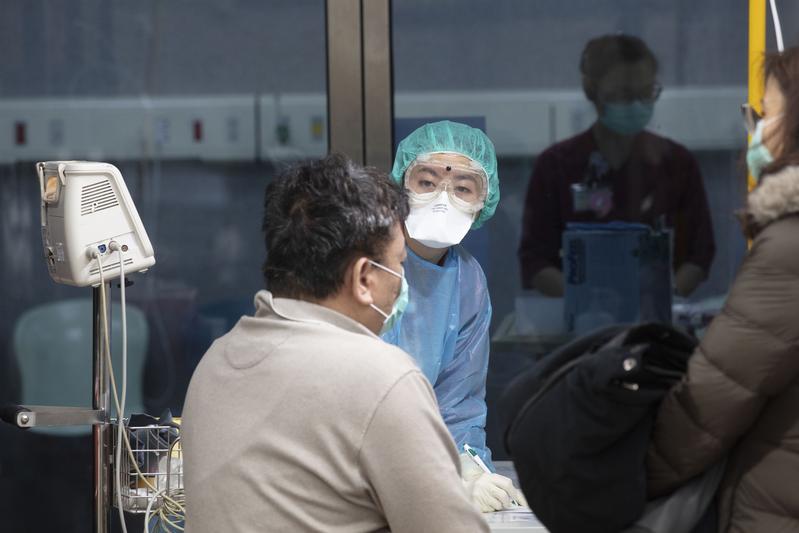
point(740, 396)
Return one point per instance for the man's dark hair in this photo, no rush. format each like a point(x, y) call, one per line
point(320, 216)
point(603, 53)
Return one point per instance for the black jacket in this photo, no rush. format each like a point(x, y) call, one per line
point(580, 423)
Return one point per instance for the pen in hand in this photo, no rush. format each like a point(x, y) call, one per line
point(479, 462)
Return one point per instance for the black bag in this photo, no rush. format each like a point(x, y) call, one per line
point(580, 424)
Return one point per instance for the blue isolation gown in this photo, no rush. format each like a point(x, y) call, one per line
point(445, 328)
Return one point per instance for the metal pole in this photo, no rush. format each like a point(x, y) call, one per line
point(101, 432)
point(345, 128)
point(757, 47)
point(378, 92)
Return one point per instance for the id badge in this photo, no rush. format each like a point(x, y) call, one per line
point(580, 196)
point(598, 199)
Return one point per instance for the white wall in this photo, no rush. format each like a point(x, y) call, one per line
point(292, 126)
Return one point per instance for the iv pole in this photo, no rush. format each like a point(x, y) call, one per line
point(101, 433)
point(67, 264)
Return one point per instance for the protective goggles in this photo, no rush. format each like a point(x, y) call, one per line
point(466, 185)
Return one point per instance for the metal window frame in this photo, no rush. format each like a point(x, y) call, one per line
point(360, 92)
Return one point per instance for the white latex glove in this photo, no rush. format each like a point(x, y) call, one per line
point(489, 492)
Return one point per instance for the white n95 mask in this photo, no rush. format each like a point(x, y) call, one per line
point(438, 224)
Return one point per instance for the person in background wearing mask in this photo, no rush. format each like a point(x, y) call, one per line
point(449, 171)
point(740, 395)
point(301, 418)
point(616, 171)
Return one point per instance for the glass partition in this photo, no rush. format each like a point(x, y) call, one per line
point(197, 103)
point(600, 112)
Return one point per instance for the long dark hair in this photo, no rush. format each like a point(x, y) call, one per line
point(783, 67)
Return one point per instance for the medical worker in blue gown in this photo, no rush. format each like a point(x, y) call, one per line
point(450, 173)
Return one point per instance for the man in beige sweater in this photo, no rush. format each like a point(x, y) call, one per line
point(301, 418)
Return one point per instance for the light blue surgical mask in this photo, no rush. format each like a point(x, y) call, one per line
point(627, 118)
point(757, 155)
point(399, 304)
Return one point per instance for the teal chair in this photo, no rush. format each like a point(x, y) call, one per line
point(53, 348)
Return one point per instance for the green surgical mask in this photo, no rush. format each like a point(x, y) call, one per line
point(627, 118)
point(400, 303)
point(757, 155)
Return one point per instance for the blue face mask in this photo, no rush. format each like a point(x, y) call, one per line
point(399, 304)
point(757, 155)
point(627, 118)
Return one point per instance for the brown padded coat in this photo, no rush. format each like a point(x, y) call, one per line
point(740, 396)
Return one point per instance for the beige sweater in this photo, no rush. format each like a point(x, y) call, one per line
point(301, 419)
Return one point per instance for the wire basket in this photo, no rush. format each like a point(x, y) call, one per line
point(155, 469)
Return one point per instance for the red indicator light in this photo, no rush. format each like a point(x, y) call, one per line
point(20, 133)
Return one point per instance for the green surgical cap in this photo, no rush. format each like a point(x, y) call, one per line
point(446, 136)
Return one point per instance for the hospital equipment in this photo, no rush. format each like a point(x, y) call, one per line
point(152, 471)
point(91, 234)
point(84, 207)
